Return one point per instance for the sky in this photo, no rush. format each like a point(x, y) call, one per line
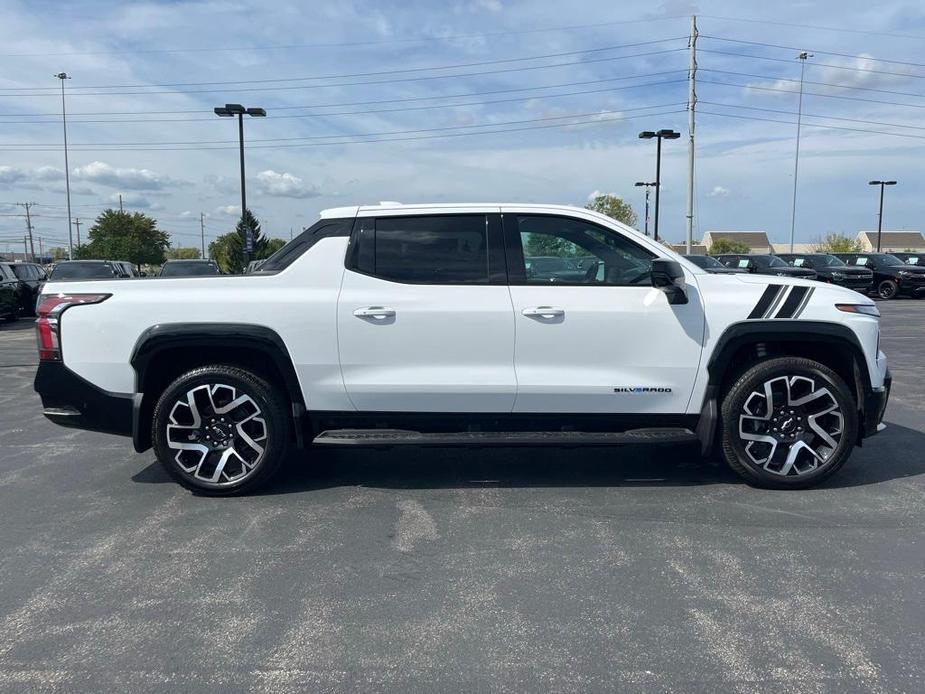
point(462, 100)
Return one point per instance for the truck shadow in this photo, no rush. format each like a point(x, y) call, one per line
point(894, 454)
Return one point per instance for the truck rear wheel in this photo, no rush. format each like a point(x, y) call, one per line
point(788, 423)
point(220, 430)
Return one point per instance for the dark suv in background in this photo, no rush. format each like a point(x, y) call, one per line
point(892, 277)
point(764, 265)
point(189, 268)
point(31, 280)
point(912, 258)
point(9, 293)
point(85, 270)
point(712, 265)
point(830, 269)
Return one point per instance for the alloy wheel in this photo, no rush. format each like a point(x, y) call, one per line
point(791, 425)
point(219, 434)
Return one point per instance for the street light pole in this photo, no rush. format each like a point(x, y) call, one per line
point(882, 185)
point(67, 173)
point(658, 135)
point(238, 110)
point(647, 186)
point(796, 160)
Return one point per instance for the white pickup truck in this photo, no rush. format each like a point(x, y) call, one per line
point(465, 325)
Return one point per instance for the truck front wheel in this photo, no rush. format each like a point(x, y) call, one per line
point(220, 430)
point(788, 423)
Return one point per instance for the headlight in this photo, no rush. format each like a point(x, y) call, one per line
point(864, 309)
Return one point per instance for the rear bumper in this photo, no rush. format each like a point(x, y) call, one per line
point(72, 401)
point(875, 403)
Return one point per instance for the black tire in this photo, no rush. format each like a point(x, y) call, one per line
point(265, 404)
point(887, 289)
point(794, 429)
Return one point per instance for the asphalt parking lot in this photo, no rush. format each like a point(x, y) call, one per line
point(621, 569)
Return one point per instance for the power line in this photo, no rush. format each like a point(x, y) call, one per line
point(365, 42)
point(283, 107)
point(591, 121)
point(821, 84)
point(814, 26)
point(368, 82)
point(814, 50)
point(805, 93)
point(829, 65)
point(815, 115)
point(347, 75)
point(816, 125)
point(343, 135)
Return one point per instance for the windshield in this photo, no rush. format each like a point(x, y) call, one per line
point(888, 259)
point(704, 261)
point(81, 271)
point(827, 260)
point(774, 261)
point(188, 269)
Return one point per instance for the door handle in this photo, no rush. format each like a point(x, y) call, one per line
point(544, 312)
point(377, 312)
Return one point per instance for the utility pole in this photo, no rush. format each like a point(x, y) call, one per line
point(691, 104)
point(27, 205)
point(67, 174)
point(25, 247)
point(41, 249)
point(202, 232)
point(796, 161)
point(120, 203)
point(77, 224)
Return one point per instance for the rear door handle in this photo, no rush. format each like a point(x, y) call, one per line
point(377, 312)
point(544, 311)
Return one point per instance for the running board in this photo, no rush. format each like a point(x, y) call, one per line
point(403, 437)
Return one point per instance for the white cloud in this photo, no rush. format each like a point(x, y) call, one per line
point(718, 192)
point(131, 179)
point(135, 200)
point(228, 211)
point(284, 185)
point(48, 179)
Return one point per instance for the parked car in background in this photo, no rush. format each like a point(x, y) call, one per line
point(31, 280)
point(892, 277)
point(830, 269)
point(125, 268)
point(9, 293)
point(912, 258)
point(189, 268)
point(764, 265)
point(253, 266)
point(84, 270)
point(711, 264)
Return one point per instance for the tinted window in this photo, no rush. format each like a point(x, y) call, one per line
point(190, 269)
point(6, 273)
point(286, 255)
point(704, 261)
point(22, 271)
point(563, 250)
point(81, 271)
point(451, 249)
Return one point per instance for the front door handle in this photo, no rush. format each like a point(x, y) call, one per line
point(377, 312)
point(544, 311)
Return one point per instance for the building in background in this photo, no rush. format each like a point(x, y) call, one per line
point(892, 241)
point(757, 241)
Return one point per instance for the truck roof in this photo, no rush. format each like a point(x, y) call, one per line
point(353, 210)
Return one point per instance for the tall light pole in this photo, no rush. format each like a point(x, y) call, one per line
point(647, 185)
point(880, 215)
point(67, 172)
point(659, 135)
point(796, 160)
point(238, 110)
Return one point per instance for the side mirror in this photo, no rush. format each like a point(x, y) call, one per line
point(668, 275)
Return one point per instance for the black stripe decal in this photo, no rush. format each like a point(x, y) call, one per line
point(792, 302)
point(770, 293)
point(803, 303)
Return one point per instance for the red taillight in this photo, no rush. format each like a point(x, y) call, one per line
point(50, 308)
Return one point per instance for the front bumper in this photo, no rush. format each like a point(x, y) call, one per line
point(874, 407)
point(72, 401)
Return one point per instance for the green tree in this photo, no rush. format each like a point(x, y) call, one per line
point(57, 253)
point(838, 243)
point(191, 253)
point(228, 249)
point(130, 236)
point(721, 246)
point(613, 207)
